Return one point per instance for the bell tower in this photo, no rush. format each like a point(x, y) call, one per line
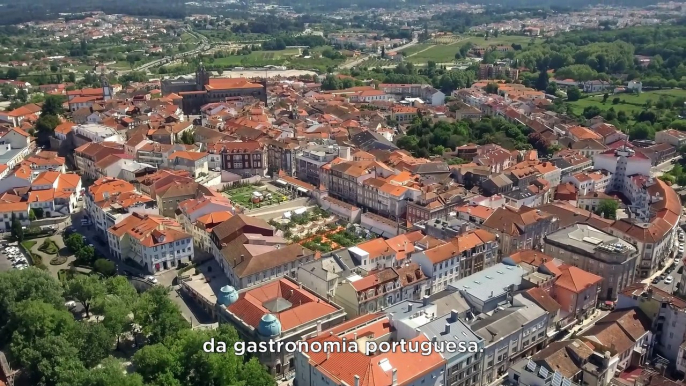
point(105, 84)
point(202, 77)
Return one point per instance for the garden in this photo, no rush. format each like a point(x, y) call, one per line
point(317, 230)
point(252, 196)
point(86, 256)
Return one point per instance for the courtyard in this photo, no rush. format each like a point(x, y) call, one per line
point(254, 196)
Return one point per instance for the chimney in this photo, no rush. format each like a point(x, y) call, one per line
point(357, 380)
point(447, 328)
point(319, 326)
point(328, 354)
point(425, 301)
point(409, 307)
point(395, 377)
point(355, 336)
point(453, 315)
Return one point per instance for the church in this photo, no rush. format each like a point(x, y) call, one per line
point(204, 90)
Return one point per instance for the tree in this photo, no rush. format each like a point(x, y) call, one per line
point(94, 342)
point(331, 83)
point(12, 73)
point(110, 373)
point(542, 80)
point(32, 215)
point(157, 315)
point(616, 100)
point(47, 123)
point(74, 242)
point(105, 267)
point(383, 52)
point(608, 209)
point(85, 289)
point(32, 320)
point(22, 96)
point(85, 255)
point(573, 94)
point(17, 229)
point(605, 96)
point(30, 284)
point(52, 105)
point(492, 88)
point(154, 361)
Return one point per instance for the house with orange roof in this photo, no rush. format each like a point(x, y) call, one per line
point(577, 292)
point(198, 216)
point(600, 255)
point(156, 243)
point(460, 257)
point(359, 368)
point(16, 116)
point(193, 162)
point(99, 194)
point(10, 209)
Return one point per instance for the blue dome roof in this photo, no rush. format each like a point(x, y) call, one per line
point(227, 295)
point(269, 326)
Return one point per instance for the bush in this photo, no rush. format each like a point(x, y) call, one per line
point(49, 247)
point(58, 260)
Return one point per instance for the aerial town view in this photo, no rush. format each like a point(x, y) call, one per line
point(350, 193)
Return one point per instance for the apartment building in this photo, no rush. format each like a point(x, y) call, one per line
point(667, 315)
point(673, 137)
point(198, 216)
point(516, 331)
point(281, 156)
point(88, 155)
point(244, 158)
point(195, 163)
point(597, 252)
point(10, 210)
point(462, 256)
point(359, 295)
point(156, 243)
point(311, 159)
point(522, 228)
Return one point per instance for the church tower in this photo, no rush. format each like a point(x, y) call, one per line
point(202, 77)
point(106, 88)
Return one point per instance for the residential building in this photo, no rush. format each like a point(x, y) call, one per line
point(487, 289)
point(324, 274)
point(94, 132)
point(360, 295)
point(311, 159)
point(667, 314)
point(87, 155)
point(155, 243)
point(516, 331)
point(625, 334)
point(170, 193)
point(522, 228)
point(13, 209)
point(281, 156)
point(576, 291)
point(462, 256)
point(244, 158)
point(597, 252)
point(198, 216)
point(672, 137)
point(411, 319)
point(571, 360)
point(193, 162)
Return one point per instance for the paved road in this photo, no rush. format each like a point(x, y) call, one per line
point(203, 46)
point(658, 170)
point(675, 275)
point(356, 62)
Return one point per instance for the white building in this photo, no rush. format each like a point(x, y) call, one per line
point(154, 242)
point(98, 133)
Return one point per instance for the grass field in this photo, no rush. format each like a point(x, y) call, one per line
point(373, 63)
point(415, 48)
point(445, 53)
point(287, 57)
point(629, 103)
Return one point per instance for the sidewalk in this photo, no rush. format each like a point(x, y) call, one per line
point(658, 273)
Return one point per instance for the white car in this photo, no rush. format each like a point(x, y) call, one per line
point(669, 280)
point(151, 279)
point(681, 249)
point(70, 304)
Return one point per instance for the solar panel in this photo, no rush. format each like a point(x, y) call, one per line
point(557, 379)
point(566, 382)
point(531, 366)
point(543, 372)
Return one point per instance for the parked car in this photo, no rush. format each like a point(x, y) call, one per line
point(656, 280)
point(669, 280)
point(151, 279)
